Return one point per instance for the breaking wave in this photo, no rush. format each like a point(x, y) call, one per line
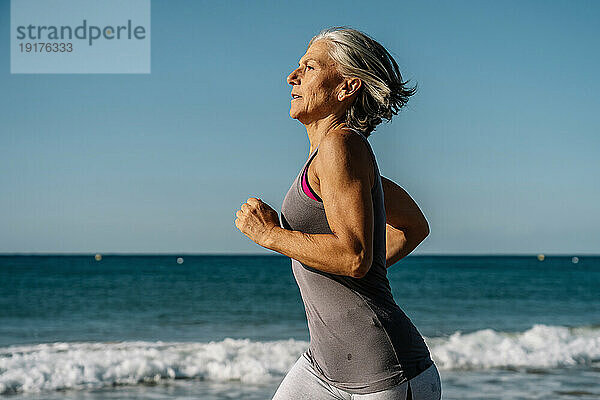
point(85, 365)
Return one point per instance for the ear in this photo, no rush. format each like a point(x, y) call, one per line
point(349, 88)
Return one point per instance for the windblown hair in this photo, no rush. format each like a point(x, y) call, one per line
point(383, 92)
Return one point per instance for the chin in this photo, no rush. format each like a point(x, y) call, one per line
point(294, 114)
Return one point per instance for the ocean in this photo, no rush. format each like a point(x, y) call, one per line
point(229, 327)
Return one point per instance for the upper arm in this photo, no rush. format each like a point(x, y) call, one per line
point(345, 173)
point(401, 210)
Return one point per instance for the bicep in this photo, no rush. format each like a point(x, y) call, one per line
point(345, 183)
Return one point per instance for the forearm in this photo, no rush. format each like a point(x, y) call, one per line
point(325, 252)
point(400, 243)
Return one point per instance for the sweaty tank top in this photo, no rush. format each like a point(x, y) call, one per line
point(360, 340)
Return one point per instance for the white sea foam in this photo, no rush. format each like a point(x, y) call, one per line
point(540, 347)
point(53, 366)
point(92, 365)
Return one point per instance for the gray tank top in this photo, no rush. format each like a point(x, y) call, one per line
point(360, 340)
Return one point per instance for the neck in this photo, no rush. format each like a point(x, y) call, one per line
point(318, 129)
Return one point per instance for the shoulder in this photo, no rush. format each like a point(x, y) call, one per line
point(345, 151)
point(344, 145)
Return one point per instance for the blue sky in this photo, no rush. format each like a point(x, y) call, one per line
point(500, 147)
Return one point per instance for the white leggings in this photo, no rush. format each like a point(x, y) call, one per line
point(302, 382)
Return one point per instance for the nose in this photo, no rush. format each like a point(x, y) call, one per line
point(293, 78)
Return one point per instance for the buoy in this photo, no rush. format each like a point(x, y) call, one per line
point(179, 260)
point(575, 260)
point(98, 257)
point(541, 257)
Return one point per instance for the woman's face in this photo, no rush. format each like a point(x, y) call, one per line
point(315, 85)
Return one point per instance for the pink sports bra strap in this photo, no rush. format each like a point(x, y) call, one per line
point(306, 186)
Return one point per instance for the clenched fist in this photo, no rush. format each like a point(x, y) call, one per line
point(256, 220)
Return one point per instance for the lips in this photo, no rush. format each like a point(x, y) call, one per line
point(295, 96)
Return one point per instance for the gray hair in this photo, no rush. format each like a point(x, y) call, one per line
point(383, 92)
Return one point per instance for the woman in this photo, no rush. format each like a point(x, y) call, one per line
point(342, 224)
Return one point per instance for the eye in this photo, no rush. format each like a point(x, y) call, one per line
point(308, 67)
